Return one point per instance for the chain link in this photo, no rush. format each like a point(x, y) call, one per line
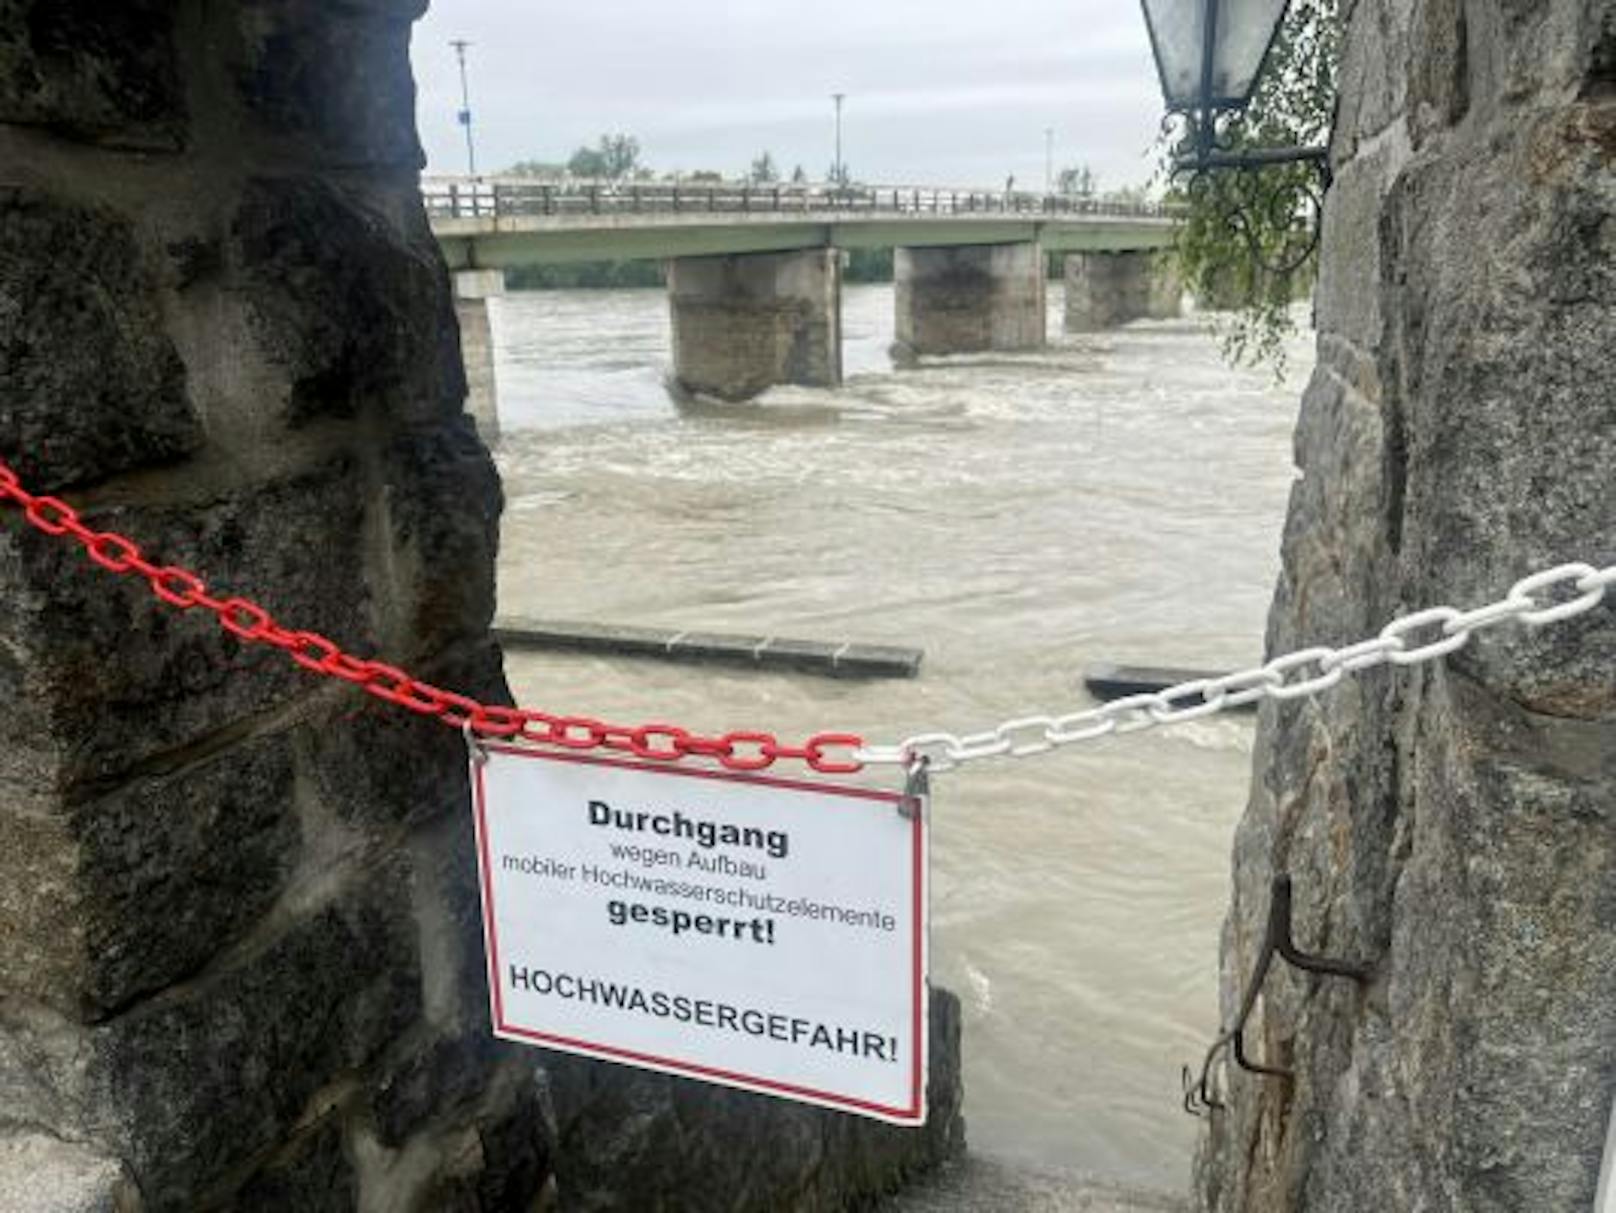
point(1550, 596)
point(1409, 640)
point(247, 621)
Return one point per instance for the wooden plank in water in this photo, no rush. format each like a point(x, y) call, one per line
point(1108, 682)
point(838, 659)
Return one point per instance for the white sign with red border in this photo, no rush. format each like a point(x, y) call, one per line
point(762, 933)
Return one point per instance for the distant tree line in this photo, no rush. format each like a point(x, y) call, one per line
point(586, 275)
point(618, 157)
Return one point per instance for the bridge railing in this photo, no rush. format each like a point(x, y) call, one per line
point(491, 198)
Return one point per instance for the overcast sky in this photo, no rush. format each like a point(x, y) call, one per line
point(939, 92)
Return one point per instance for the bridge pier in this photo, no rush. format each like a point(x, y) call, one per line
point(1104, 290)
point(473, 291)
point(961, 299)
point(745, 322)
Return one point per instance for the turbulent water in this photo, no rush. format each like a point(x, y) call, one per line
point(1116, 497)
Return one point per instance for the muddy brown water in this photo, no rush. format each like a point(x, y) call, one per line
point(1116, 497)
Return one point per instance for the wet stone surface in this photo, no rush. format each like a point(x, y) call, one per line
point(89, 383)
point(93, 71)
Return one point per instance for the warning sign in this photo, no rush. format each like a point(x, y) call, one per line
point(757, 932)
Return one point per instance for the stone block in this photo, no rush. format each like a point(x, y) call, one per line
point(448, 908)
point(101, 72)
point(312, 1175)
point(335, 76)
point(117, 677)
point(349, 301)
point(1347, 299)
point(443, 501)
point(1373, 73)
point(118, 897)
point(503, 1159)
point(1439, 80)
point(378, 766)
point(89, 383)
point(435, 1083)
point(42, 1174)
point(189, 1087)
point(632, 1139)
point(1508, 417)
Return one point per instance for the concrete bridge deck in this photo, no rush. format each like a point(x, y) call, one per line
point(754, 271)
point(498, 223)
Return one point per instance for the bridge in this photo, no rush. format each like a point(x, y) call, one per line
point(754, 271)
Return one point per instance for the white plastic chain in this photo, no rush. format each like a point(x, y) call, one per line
point(1409, 640)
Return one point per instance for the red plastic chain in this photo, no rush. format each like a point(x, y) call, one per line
point(829, 753)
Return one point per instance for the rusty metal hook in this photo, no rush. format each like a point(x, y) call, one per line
point(1278, 940)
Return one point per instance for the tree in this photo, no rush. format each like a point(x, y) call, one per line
point(1246, 239)
point(622, 153)
point(587, 162)
point(1078, 179)
point(839, 175)
point(615, 156)
point(1128, 195)
point(798, 177)
point(763, 171)
point(542, 169)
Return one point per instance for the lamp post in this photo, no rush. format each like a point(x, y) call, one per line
point(460, 45)
point(1209, 54)
point(837, 167)
point(1049, 160)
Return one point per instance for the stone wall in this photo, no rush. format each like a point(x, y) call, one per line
point(237, 922)
point(240, 955)
point(1454, 825)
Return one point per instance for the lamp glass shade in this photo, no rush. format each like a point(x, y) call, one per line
point(1245, 28)
point(1177, 39)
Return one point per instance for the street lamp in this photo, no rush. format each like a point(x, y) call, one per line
point(460, 45)
point(840, 174)
point(1209, 54)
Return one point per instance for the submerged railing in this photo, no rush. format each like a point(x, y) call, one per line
point(504, 197)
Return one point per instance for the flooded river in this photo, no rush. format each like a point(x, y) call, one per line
point(1117, 497)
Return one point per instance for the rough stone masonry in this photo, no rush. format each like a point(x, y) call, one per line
point(240, 962)
point(1454, 824)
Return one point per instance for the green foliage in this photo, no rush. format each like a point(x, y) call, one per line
point(1134, 195)
point(541, 169)
point(763, 170)
point(798, 177)
point(584, 275)
point(1077, 179)
point(1238, 248)
point(614, 157)
point(868, 265)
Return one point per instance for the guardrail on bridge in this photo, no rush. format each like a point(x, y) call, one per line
point(490, 198)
